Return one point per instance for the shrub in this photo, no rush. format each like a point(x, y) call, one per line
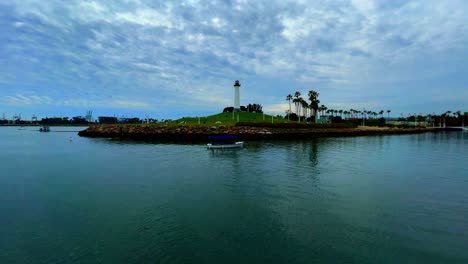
point(295, 125)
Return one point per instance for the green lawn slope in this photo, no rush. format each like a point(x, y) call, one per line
point(228, 119)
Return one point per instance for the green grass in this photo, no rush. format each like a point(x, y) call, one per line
point(227, 119)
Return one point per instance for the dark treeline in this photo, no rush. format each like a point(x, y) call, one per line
point(127, 120)
point(251, 108)
point(449, 119)
point(446, 119)
point(78, 120)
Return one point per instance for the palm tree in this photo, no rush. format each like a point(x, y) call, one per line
point(463, 119)
point(442, 116)
point(448, 114)
point(296, 102)
point(323, 109)
point(341, 113)
point(388, 114)
point(297, 97)
point(347, 114)
point(305, 106)
point(381, 113)
point(314, 101)
point(288, 98)
point(461, 116)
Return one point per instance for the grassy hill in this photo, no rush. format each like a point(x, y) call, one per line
point(227, 119)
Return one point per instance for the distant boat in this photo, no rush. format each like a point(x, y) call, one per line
point(44, 129)
point(224, 142)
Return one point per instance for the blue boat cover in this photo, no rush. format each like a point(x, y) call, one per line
point(224, 137)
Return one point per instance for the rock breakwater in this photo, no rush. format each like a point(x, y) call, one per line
point(186, 134)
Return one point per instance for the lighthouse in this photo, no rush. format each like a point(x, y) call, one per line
point(236, 96)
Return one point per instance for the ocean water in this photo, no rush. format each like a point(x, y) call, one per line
point(388, 199)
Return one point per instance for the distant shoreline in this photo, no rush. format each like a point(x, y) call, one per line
point(185, 134)
point(39, 125)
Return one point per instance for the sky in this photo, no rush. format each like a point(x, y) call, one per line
point(170, 59)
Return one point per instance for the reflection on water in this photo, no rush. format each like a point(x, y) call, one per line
point(394, 199)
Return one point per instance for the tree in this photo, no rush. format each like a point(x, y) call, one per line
point(293, 117)
point(288, 98)
point(78, 120)
point(297, 94)
point(228, 109)
point(107, 120)
point(130, 120)
point(337, 119)
point(296, 101)
point(442, 117)
point(346, 113)
point(314, 101)
point(459, 115)
point(50, 121)
point(388, 114)
point(463, 118)
point(254, 108)
point(305, 106)
point(323, 109)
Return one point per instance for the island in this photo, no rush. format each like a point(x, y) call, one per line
point(251, 127)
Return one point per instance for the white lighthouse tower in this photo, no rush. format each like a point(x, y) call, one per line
point(237, 96)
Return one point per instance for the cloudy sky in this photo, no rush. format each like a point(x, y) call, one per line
point(168, 59)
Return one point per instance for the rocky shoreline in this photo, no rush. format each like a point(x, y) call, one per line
point(187, 134)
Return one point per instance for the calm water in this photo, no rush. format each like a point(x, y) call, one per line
point(393, 199)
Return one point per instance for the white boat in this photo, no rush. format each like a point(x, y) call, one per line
point(44, 129)
point(238, 144)
point(224, 142)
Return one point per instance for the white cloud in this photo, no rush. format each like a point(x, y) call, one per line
point(277, 109)
point(189, 49)
point(105, 103)
point(149, 17)
point(28, 100)
point(22, 100)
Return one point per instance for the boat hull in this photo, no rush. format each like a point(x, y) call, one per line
point(238, 144)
